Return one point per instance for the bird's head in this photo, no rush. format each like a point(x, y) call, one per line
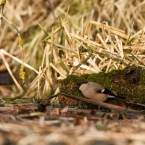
point(80, 83)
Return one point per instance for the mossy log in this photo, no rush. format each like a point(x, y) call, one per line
point(128, 83)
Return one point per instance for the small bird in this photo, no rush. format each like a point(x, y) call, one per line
point(95, 91)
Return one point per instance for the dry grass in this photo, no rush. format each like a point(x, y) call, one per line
point(92, 36)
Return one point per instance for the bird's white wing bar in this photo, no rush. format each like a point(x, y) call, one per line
point(102, 91)
point(109, 96)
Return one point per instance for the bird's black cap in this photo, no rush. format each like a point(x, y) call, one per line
point(80, 83)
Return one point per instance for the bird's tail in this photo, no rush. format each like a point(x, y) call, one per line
point(114, 96)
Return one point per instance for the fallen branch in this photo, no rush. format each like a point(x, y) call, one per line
point(102, 104)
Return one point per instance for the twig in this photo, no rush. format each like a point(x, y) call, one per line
point(52, 96)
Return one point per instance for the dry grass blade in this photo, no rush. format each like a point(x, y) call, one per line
point(54, 32)
point(113, 30)
point(18, 60)
point(61, 74)
point(10, 72)
point(85, 40)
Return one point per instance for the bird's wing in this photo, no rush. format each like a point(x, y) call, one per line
point(107, 91)
point(111, 95)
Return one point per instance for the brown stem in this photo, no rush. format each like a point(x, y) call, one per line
point(100, 103)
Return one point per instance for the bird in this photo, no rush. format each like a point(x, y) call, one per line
point(95, 91)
